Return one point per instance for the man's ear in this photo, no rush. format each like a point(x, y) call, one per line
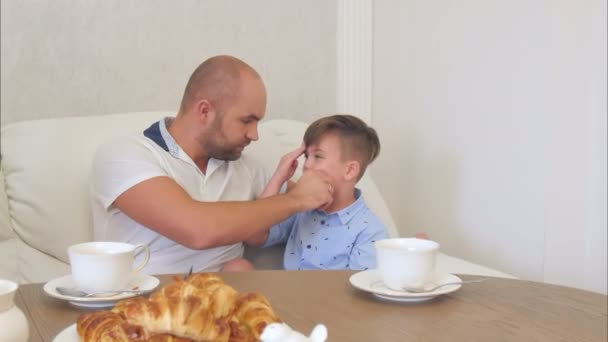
point(353, 168)
point(205, 111)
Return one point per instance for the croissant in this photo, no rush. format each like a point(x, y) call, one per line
point(184, 310)
point(250, 312)
point(251, 315)
point(106, 326)
point(200, 308)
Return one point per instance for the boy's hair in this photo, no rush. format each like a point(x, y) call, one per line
point(358, 141)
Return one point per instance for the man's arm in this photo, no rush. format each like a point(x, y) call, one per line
point(163, 206)
point(258, 239)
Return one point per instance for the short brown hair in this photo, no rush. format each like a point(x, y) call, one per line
point(358, 140)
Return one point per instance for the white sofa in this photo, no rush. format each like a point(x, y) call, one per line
point(44, 193)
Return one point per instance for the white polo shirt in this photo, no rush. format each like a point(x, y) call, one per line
point(127, 161)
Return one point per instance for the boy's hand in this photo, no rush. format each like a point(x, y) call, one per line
point(285, 170)
point(288, 165)
point(421, 236)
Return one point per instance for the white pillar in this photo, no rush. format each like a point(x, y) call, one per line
point(354, 64)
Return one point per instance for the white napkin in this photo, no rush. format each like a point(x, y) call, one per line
point(281, 332)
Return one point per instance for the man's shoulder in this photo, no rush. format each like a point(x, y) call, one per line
point(124, 145)
point(124, 140)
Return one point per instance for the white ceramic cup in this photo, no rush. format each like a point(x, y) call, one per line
point(7, 294)
point(105, 266)
point(13, 324)
point(406, 262)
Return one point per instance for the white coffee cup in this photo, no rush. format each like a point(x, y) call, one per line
point(7, 294)
point(105, 266)
point(406, 262)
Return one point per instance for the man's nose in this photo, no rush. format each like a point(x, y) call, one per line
point(252, 134)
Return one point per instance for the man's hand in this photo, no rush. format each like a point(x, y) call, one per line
point(313, 190)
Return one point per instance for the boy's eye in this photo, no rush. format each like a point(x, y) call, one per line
point(314, 155)
point(246, 120)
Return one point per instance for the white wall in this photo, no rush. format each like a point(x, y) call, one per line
point(576, 202)
point(493, 122)
point(73, 57)
point(492, 115)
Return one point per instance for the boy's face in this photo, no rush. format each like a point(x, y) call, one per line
point(326, 156)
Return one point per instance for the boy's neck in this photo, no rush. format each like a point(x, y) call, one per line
point(342, 199)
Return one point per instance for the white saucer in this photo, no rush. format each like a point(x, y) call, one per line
point(142, 282)
point(370, 281)
point(69, 334)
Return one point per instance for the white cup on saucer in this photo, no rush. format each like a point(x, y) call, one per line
point(406, 262)
point(105, 266)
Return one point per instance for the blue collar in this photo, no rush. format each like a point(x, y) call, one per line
point(346, 214)
point(158, 133)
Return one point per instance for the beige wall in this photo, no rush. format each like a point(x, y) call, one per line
point(493, 119)
point(73, 57)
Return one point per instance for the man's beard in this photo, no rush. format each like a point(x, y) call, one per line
point(223, 152)
point(218, 148)
point(217, 145)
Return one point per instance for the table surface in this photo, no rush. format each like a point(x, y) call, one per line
point(494, 310)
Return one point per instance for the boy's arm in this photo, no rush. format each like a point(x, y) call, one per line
point(277, 234)
point(285, 170)
point(363, 254)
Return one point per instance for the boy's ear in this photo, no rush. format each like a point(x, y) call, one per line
point(353, 168)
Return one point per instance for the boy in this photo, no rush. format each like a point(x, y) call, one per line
point(339, 235)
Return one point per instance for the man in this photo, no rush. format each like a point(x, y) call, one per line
point(182, 187)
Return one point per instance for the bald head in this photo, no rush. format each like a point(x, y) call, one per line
point(218, 80)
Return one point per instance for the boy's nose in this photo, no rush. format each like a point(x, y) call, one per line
point(307, 164)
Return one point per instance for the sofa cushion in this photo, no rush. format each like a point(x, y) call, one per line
point(5, 228)
point(8, 252)
point(46, 165)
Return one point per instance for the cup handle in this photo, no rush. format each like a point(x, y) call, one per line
point(146, 250)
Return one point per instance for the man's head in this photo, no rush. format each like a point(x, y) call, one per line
point(224, 99)
point(342, 146)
